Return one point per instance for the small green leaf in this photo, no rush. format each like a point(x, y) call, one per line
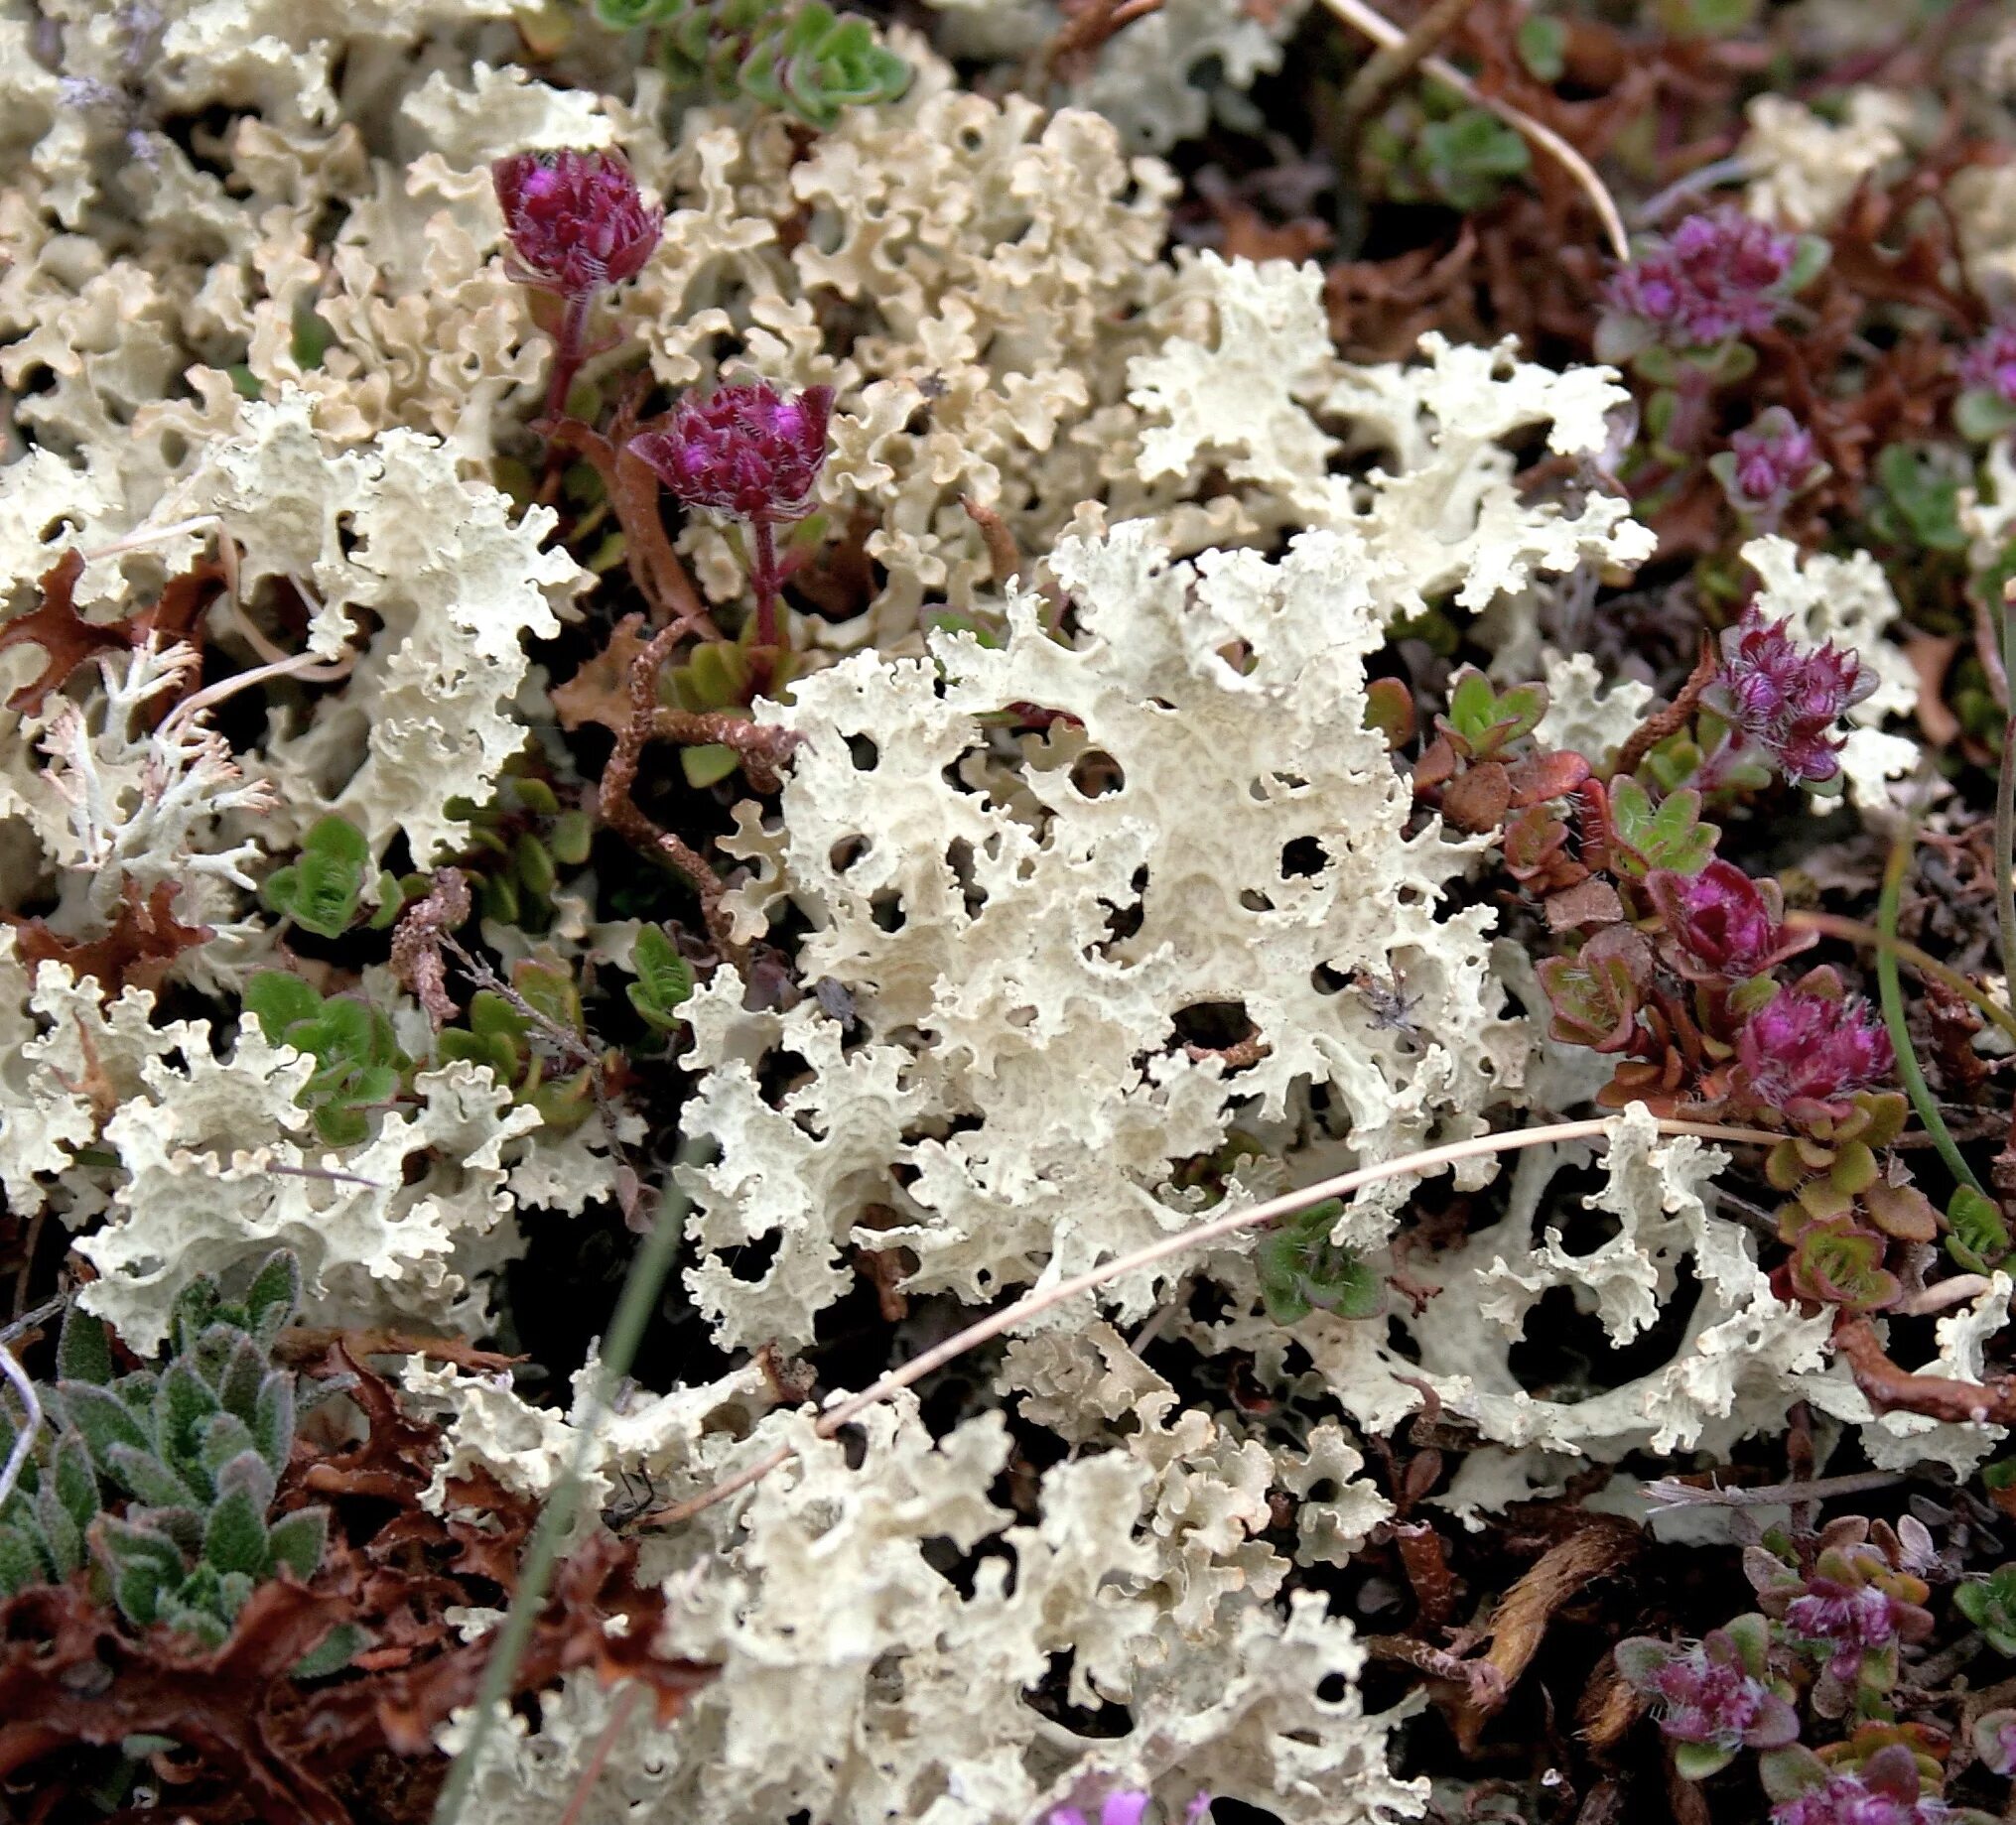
point(20, 1563)
point(664, 979)
point(83, 1352)
point(535, 795)
point(572, 838)
point(74, 1482)
point(142, 1563)
point(62, 1540)
point(143, 1476)
point(1698, 1760)
point(1979, 1237)
point(534, 864)
point(708, 763)
point(298, 1541)
point(103, 1420)
point(321, 891)
point(1543, 46)
point(273, 1421)
point(274, 1294)
point(235, 1538)
point(334, 1651)
point(183, 1405)
point(279, 1002)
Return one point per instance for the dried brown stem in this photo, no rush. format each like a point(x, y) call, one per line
point(1380, 30)
point(1891, 1389)
point(1672, 1493)
point(1080, 36)
point(1669, 721)
point(301, 1344)
point(633, 490)
point(1004, 555)
point(761, 748)
point(619, 811)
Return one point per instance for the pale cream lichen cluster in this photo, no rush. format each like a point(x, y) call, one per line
point(301, 343)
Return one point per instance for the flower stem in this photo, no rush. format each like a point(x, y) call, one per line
point(765, 580)
point(1892, 993)
point(569, 351)
point(2005, 816)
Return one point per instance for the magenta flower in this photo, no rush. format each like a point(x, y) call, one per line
point(1720, 274)
point(1721, 922)
point(1845, 1621)
point(1709, 1694)
point(1992, 363)
point(574, 219)
point(746, 450)
point(1885, 1791)
point(1784, 699)
point(1126, 1807)
point(1767, 464)
point(1810, 1047)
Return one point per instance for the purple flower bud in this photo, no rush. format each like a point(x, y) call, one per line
point(1774, 458)
point(1809, 1044)
point(1715, 277)
point(747, 450)
point(574, 219)
point(1992, 363)
point(1721, 922)
point(1785, 698)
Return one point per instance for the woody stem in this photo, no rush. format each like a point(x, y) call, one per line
point(763, 577)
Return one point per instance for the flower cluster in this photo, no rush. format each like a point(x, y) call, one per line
point(1767, 465)
point(1861, 1602)
point(1720, 274)
point(747, 450)
point(1811, 1046)
point(1887, 1790)
point(575, 221)
point(1711, 1695)
point(1783, 698)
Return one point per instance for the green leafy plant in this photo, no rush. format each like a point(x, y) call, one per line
point(1990, 1605)
point(358, 1062)
point(160, 1484)
point(500, 1035)
point(802, 58)
point(321, 890)
point(664, 980)
point(521, 840)
point(1301, 1270)
point(1436, 148)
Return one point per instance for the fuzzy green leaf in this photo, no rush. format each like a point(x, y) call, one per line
point(75, 1482)
point(146, 1478)
point(143, 1564)
point(20, 1563)
point(101, 1419)
point(334, 1651)
point(234, 1540)
point(299, 1540)
point(84, 1350)
point(273, 1421)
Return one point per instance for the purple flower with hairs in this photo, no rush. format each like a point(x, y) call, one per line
point(747, 450)
point(574, 219)
point(1709, 1695)
point(1784, 699)
point(1845, 1620)
point(1886, 1789)
point(1811, 1046)
point(1720, 274)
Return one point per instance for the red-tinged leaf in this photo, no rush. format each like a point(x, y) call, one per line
point(145, 939)
point(1542, 777)
point(67, 639)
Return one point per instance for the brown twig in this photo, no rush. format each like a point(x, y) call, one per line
point(1426, 1564)
point(1004, 555)
point(1672, 1493)
point(1891, 1389)
point(1391, 65)
point(1669, 721)
point(761, 748)
point(1080, 36)
point(301, 1344)
point(584, 1788)
point(633, 490)
point(619, 811)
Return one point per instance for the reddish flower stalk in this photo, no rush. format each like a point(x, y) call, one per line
point(577, 226)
